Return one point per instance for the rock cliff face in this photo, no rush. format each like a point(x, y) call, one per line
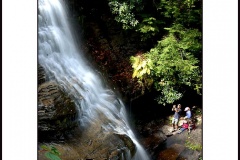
point(58, 127)
point(56, 111)
point(57, 114)
point(94, 143)
point(90, 142)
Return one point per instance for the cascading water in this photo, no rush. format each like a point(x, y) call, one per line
point(64, 63)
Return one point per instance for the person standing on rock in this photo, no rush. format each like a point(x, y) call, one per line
point(176, 116)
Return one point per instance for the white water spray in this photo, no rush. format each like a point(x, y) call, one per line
point(64, 62)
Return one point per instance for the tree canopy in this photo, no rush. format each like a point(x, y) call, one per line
point(174, 63)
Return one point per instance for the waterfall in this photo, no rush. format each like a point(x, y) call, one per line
point(64, 62)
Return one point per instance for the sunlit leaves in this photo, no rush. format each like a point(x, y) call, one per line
point(142, 70)
point(172, 63)
point(123, 12)
point(141, 66)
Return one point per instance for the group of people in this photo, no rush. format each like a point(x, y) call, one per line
point(187, 123)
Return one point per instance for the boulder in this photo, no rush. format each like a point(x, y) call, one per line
point(176, 146)
point(152, 142)
point(57, 113)
point(128, 142)
point(93, 143)
point(57, 118)
point(188, 154)
point(100, 141)
point(167, 130)
point(171, 153)
point(152, 135)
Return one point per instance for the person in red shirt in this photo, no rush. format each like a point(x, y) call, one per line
point(187, 124)
point(184, 126)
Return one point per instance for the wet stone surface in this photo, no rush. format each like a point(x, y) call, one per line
point(57, 113)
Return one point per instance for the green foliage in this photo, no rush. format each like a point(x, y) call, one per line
point(193, 146)
point(198, 111)
point(169, 95)
point(142, 67)
point(148, 27)
point(172, 64)
point(123, 12)
point(184, 12)
point(52, 152)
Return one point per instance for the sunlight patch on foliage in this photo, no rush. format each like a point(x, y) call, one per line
point(173, 64)
point(124, 15)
